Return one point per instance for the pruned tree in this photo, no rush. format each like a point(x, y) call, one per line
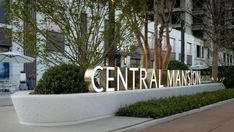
point(66, 31)
point(162, 20)
point(135, 13)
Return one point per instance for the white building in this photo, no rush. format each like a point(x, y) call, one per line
point(197, 52)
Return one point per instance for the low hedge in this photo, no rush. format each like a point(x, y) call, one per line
point(157, 108)
point(229, 82)
point(223, 71)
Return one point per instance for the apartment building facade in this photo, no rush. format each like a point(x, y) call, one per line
point(9, 72)
point(196, 50)
point(196, 17)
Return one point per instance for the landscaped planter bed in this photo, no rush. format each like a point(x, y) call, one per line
point(158, 108)
point(67, 109)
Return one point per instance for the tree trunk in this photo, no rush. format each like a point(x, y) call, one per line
point(143, 63)
point(214, 65)
point(160, 47)
point(216, 44)
point(111, 33)
point(166, 59)
point(146, 46)
point(156, 44)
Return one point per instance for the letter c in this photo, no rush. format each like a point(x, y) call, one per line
point(93, 82)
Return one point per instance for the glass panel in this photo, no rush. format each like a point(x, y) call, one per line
point(5, 37)
point(3, 11)
point(55, 41)
point(4, 71)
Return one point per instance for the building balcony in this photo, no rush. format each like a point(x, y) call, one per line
point(197, 26)
point(176, 26)
point(198, 11)
point(177, 9)
point(230, 27)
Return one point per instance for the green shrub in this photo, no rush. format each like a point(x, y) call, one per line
point(177, 65)
point(157, 108)
point(62, 79)
point(229, 81)
point(223, 72)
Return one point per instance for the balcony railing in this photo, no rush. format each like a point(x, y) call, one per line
point(198, 26)
point(198, 11)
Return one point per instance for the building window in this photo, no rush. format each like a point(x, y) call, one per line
point(198, 51)
point(208, 53)
point(55, 41)
point(198, 33)
point(198, 3)
point(5, 37)
point(4, 49)
point(177, 4)
point(3, 11)
point(230, 59)
point(135, 62)
point(197, 20)
point(224, 57)
point(172, 41)
point(202, 52)
point(189, 48)
point(175, 18)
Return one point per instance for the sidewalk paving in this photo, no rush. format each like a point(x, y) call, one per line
point(5, 99)
point(9, 123)
point(217, 119)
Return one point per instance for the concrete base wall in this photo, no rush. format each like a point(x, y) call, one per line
point(53, 110)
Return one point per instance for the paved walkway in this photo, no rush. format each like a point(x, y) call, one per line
point(9, 123)
point(5, 99)
point(217, 119)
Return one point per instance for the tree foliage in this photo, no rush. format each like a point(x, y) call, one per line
point(134, 13)
point(216, 23)
point(80, 24)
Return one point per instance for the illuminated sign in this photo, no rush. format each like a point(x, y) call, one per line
point(116, 78)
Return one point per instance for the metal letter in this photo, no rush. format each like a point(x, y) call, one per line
point(142, 79)
point(120, 75)
point(153, 79)
point(170, 78)
point(90, 79)
point(108, 78)
point(133, 76)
